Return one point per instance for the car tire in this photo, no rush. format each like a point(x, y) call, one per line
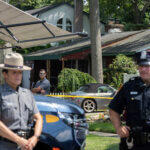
point(89, 105)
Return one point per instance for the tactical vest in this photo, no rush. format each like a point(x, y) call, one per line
point(137, 103)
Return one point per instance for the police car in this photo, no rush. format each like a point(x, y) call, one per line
point(64, 125)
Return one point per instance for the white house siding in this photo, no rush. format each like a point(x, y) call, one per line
point(66, 11)
point(53, 15)
point(102, 28)
point(86, 25)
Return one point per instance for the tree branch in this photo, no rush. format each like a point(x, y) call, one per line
point(145, 8)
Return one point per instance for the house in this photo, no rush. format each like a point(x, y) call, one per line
point(62, 15)
point(77, 54)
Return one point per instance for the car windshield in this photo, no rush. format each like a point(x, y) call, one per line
point(83, 88)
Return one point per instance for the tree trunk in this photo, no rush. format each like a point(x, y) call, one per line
point(96, 51)
point(136, 12)
point(78, 15)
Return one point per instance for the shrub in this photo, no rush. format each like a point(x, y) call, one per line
point(71, 79)
point(114, 74)
point(133, 27)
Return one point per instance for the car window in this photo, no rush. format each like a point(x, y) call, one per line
point(83, 88)
point(104, 89)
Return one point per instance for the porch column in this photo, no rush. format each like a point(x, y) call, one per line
point(3, 52)
point(77, 64)
point(48, 69)
point(63, 63)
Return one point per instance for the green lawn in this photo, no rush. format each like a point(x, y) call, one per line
point(94, 142)
point(101, 127)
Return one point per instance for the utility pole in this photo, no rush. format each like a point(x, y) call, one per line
point(95, 33)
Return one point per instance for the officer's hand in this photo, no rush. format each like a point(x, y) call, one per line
point(22, 143)
point(123, 131)
point(32, 142)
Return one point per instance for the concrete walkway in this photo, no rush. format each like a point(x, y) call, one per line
point(103, 134)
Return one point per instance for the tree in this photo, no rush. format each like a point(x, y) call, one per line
point(133, 11)
point(32, 4)
point(78, 15)
point(121, 64)
point(71, 79)
point(96, 51)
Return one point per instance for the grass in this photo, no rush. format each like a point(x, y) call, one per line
point(101, 127)
point(94, 142)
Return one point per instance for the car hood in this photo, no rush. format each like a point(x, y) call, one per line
point(52, 104)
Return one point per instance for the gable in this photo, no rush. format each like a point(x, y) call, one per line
point(54, 12)
point(52, 15)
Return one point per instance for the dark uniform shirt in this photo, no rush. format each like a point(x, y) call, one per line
point(44, 84)
point(134, 98)
point(16, 107)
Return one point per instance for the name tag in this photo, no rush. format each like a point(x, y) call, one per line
point(133, 92)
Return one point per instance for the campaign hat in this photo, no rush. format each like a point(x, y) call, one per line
point(14, 61)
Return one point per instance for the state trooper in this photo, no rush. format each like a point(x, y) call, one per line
point(134, 99)
point(17, 108)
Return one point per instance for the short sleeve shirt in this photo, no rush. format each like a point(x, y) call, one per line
point(128, 90)
point(44, 84)
point(16, 107)
point(134, 98)
point(119, 101)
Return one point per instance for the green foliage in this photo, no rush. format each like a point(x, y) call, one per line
point(32, 49)
point(32, 4)
point(28, 4)
point(2, 42)
point(128, 11)
point(133, 27)
point(102, 127)
point(114, 74)
point(71, 79)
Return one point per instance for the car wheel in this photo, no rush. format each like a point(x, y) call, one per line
point(89, 105)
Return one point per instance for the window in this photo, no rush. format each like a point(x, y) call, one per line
point(70, 63)
point(83, 88)
point(104, 89)
point(65, 23)
point(68, 25)
point(60, 23)
point(83, 65)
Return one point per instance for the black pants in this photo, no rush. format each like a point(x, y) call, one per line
point(123, 146)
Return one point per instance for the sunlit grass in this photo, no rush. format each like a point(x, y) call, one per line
point(94, 142)
point(101, 127)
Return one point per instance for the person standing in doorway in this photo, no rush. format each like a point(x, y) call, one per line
point(43, 85)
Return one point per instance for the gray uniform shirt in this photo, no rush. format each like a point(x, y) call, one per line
point(44, 84)
point(16, 107)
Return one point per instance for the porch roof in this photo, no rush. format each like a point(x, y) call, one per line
point(79, 45)
point(23, 30)
point(130, 45)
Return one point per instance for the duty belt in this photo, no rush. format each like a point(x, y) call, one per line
point(21, 133)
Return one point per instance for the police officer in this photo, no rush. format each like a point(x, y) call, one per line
point(17, 108)
point(43, 85)
point(134, 99)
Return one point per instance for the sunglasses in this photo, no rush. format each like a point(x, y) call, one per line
point(41, 73)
